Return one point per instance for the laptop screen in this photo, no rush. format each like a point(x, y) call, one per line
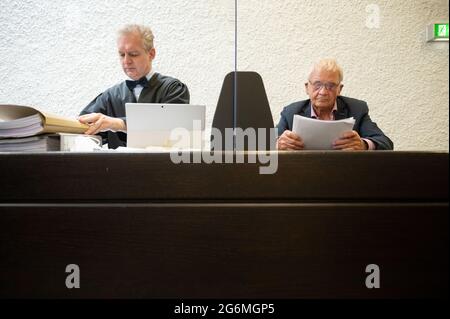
point(178, 126)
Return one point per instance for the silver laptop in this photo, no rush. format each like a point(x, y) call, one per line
point(179, 126)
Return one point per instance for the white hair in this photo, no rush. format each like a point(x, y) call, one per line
point(329, 65)
point(144, 32)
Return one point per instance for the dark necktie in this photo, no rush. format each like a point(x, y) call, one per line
point(132, 84)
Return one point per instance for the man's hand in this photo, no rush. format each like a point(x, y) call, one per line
point(290, 141)
point(99, 122)
point(350, 141)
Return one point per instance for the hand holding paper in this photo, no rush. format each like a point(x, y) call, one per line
point(289, 141)
point(318, 134)
point(350, 141)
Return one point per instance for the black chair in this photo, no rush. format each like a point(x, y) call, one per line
point(249, 108)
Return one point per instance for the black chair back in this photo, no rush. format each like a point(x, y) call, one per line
point(252, 111)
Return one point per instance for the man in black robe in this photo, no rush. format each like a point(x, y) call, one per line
point(106, 113)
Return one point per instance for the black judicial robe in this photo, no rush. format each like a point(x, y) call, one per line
point(162, 89)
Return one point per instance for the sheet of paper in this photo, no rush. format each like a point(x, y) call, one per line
point(318, 134)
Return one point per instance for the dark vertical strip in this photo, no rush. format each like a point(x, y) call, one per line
point(235, 76)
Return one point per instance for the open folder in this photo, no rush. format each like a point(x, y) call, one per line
point(318, 134)
point(23, 121)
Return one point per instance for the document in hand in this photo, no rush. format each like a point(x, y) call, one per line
point(318, 134)
point(23, 121)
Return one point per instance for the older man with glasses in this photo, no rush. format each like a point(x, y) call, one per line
point(324, 88)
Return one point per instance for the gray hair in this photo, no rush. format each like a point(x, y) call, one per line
point(329, 65)
point(144, 32)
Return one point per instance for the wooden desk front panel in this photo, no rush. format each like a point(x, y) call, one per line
point(224, 250)
point(321, 176)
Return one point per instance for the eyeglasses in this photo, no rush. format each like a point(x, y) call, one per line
point(328, 86)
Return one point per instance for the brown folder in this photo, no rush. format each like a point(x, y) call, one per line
point(22, 121)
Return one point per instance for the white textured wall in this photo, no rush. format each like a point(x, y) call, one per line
point(58, 55)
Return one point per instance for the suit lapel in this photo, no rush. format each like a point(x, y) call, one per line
point(301, 109)
point(305, 109)
point(342, 110)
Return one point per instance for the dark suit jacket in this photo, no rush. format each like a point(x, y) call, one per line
point(346, 107)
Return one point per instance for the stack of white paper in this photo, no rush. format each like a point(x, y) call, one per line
point(39, 143)
point(318, 134)
point(25, 126)
point(24, 121)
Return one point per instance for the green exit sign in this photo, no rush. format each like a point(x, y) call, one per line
point(437, 32)
point(441, 30)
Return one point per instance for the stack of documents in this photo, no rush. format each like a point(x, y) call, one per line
point(52, 142)
point(318, 134)
point(26, 129)
point(24, 121)
point(40, 143)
